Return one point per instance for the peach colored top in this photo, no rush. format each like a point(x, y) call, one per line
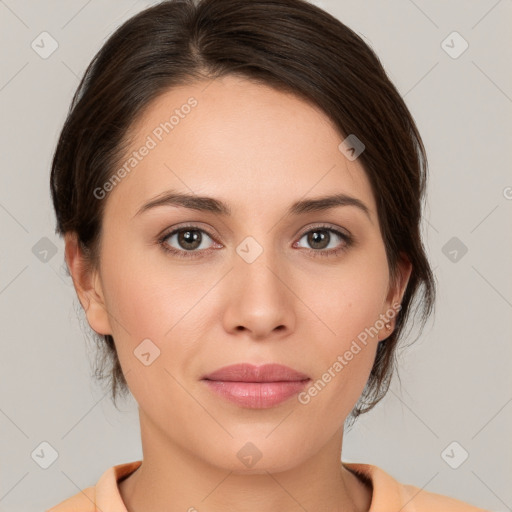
point(388, 494)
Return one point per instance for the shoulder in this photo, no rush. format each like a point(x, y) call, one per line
point(80, 502)
point(103, 496)
point(419, 500)
point(389, 495)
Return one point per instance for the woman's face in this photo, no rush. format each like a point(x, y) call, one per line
point(265, 283)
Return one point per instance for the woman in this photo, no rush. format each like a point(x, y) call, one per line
point(239, 186)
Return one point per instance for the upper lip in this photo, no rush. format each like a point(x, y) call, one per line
point(246, 372)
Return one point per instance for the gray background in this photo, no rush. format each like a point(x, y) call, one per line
point(456, 379)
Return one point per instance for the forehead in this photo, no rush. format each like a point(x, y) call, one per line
point(245, 143)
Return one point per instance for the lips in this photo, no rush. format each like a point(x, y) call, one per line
point(246, 372)
point(256, 387)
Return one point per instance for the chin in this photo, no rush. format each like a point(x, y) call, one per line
point(255, 456)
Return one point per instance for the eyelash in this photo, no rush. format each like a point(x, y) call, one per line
point(348, 241)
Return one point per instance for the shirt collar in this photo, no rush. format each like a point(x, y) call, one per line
point(387, 494)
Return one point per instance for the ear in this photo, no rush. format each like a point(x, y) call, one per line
point(397, 290)
point(87, 284)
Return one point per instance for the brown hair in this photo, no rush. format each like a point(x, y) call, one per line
point(288, 44)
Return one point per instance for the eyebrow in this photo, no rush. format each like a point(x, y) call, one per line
point(209, 204)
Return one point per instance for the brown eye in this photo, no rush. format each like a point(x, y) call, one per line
point(325, 241)
point(319, 238)
point(188, 241)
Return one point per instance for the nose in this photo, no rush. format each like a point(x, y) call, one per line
point(259, 301)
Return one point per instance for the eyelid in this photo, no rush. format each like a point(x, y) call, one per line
point(345, 235)
point(193, 225)
point(200, 227)
point(339, 229)
point(180, 253)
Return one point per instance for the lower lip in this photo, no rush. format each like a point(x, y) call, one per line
point(256, 395)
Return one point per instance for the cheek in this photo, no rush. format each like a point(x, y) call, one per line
point(150, 298)
point(349, 298)
point(345, 356)
point(155, 325)
point(349, 302)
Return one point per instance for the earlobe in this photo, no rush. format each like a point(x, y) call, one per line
point(87, 285)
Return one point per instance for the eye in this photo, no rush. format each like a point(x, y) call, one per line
point(192, 241)
point(323, 242)
point(188, 241)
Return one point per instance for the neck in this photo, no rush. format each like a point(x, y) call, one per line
point(173, 478)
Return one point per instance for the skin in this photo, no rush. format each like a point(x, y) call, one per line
point(259, 150)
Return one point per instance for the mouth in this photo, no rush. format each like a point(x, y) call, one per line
point(246, 372)
point(255, 387)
